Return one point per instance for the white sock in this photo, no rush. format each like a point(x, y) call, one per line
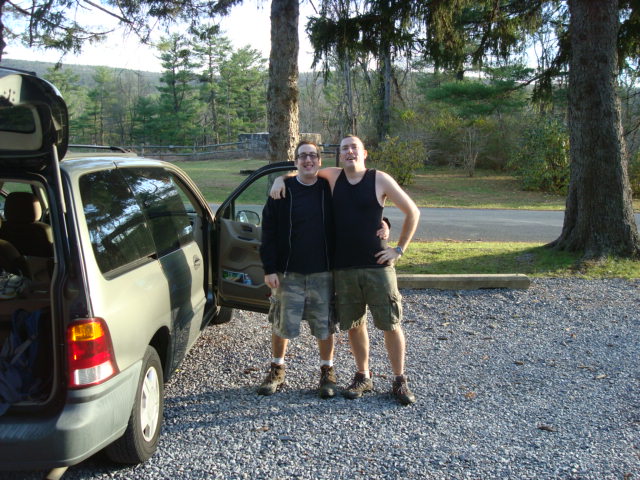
point(326, 363)
point(277, 361)
point(366, 374)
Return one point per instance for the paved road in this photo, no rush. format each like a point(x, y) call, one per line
point(470, 224)
point(483, 224)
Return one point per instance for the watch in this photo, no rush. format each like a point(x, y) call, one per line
point(399, 250)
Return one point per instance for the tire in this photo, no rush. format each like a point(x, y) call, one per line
point(224, 315)
point(140, 439)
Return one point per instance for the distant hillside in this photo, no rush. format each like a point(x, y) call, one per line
point(85, 72)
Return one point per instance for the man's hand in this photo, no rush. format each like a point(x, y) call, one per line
point(389, 256)
point(277, 189)
point(272, 280)
point(383, 232)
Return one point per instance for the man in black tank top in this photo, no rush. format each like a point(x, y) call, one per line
point(364, 273)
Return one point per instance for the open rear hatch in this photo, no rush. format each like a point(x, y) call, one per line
point(33, 119)
point(33, 137)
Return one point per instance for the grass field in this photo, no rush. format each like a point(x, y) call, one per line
point(531, 259)
point(444, 187)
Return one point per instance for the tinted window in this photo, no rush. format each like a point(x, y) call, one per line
point(118, 229)
point(159, 195)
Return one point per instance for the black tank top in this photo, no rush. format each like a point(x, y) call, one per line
point(357, 215)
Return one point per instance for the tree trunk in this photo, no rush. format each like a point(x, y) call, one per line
point(282, 95)
point(385, 94)
point(599, 218)
point(350, 118)
point(3, 44)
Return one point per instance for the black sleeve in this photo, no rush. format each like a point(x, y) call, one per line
point(268, 246)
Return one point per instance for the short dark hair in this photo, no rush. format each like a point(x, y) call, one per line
point(308, 142)
point(350, 135)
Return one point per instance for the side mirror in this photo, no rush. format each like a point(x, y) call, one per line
point(248, 216)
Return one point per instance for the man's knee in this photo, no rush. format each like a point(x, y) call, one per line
point(358, 329)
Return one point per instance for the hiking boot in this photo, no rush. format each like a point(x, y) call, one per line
point(272, 381)
point(327, 388)
point(358, 386)
point(401, 391)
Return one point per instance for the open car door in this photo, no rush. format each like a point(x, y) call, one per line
point(238, 231)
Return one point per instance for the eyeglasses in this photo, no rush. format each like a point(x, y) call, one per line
point(311, 156)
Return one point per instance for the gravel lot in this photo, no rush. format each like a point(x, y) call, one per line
point(535, 384)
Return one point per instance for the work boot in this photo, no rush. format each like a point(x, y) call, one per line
point(272, 381)
point(401, 391)
point(327, 388)
point(358, 386)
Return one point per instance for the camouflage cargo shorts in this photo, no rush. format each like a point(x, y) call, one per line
point(303, 297)
point(377, 288)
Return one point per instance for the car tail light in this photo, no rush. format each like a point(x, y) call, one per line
point(90, 356)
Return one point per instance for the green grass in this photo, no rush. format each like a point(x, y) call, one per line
point(446, 187)
point(217, 178)
point(531, 259)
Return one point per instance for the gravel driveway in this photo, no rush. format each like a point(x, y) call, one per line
point(535, 384)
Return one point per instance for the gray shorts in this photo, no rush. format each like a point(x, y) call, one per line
point(303, 297)
point(377, 288)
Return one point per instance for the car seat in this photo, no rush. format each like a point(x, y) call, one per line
point(22, 226)
point(11, 261)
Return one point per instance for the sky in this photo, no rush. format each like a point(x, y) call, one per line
point(247, 24)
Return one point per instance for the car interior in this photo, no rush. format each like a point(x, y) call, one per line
point(26, 253)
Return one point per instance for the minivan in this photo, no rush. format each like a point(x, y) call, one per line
point(120, 263)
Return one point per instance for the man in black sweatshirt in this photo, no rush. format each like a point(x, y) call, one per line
point(297, 256)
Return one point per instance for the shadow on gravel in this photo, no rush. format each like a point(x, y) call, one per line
point(228, 408)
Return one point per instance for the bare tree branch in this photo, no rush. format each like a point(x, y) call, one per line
point(113, 14)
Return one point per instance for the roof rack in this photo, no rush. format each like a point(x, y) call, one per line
point(20, 70)
point(111, 148)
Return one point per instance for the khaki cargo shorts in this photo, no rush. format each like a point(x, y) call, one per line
point(303, 297)
point(377, 288)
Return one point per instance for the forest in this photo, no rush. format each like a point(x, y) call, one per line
point(486, 114)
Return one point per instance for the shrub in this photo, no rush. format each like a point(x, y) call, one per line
point(542, 161)
point(399, 158)
point(501, 136)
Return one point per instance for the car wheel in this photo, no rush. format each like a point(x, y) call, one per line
point(224, 315)
point(140, 439)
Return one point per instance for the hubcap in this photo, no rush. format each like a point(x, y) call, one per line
point(150, 404)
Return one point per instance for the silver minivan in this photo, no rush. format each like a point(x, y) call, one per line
point(121, 263)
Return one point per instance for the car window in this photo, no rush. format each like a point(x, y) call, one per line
point(159, 195)
point(117, 226)
point(249, 204)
